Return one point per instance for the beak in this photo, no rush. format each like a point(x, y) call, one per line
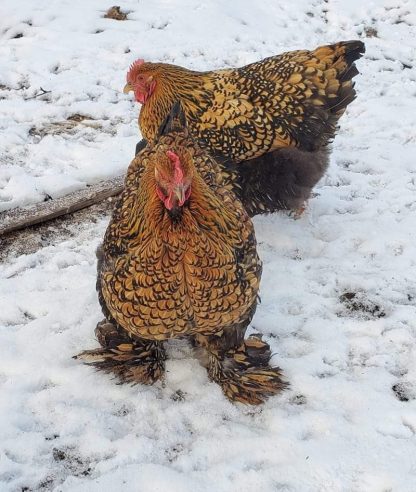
point(179, 193)
point(127, 88)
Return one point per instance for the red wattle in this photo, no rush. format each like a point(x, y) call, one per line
point(140, 97)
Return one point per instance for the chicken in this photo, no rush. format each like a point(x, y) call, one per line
point(289, 101)
point(179, 259)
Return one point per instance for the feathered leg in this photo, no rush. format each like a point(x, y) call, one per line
point(131, 359)
point(242, 369)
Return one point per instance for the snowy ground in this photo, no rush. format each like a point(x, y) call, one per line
point(338, 290)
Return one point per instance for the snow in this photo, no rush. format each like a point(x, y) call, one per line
point(338, 289)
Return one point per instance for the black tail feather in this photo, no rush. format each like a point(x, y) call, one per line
point(140, 145)
point(354, 50)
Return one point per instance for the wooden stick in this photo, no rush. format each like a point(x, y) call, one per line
point(19, 218)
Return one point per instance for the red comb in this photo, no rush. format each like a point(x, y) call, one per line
point(178, 172)
point(135, 65)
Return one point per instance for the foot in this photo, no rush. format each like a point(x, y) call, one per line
point(298, 213)
point(131, 360)
point(244, 373)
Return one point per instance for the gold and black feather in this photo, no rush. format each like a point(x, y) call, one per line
point(264, 121)
point(193, 274)
point(290, 100)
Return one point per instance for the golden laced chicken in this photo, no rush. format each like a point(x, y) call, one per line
point(179, 259)
point(270, 122)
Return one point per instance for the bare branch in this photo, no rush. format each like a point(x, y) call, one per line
point(19, 218)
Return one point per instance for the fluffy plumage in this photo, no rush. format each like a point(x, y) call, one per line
point(279, 180)
point(188, 267)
